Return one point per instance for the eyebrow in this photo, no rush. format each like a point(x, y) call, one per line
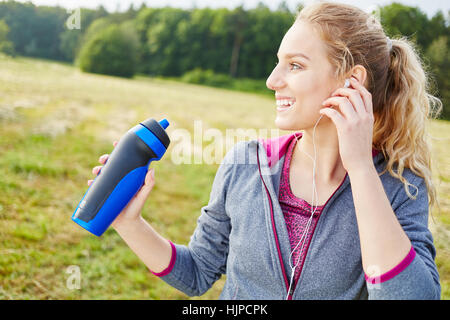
point(299, 54)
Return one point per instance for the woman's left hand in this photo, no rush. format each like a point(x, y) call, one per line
point(354, 125)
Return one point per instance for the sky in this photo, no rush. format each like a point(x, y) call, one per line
point(428, 6)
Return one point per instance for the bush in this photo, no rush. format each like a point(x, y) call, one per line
point(112, 51)
point(207, 77)
point(6, 46)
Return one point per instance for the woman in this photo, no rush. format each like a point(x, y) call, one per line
point(361, 101)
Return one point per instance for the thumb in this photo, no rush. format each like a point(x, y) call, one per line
point(148, 183)
point(141, 196)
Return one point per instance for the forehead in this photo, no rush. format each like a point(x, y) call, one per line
point(301, 37)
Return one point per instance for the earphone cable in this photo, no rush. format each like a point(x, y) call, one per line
point(314, 196)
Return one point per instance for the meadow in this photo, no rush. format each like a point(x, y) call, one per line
point(55, 122)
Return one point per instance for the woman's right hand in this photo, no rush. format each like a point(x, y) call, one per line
point(132, 211)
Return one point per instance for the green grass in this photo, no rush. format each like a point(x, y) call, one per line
point(54, 124)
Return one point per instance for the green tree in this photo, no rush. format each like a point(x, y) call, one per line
point(198, 42)
point(70, 43)
point(438, 54)
point(398, 19)
point(112, 51)
point(238, 22)
point(6, 46)
point(161, 47)
point(261, 41)
point(72, 40)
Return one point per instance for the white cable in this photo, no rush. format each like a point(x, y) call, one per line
point(313, 210)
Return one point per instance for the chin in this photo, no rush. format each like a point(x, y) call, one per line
point(287, 124)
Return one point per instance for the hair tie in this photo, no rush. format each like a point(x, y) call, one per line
point(389, 44)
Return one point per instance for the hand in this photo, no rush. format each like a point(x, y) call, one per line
point(132, 211)
point(354, 124)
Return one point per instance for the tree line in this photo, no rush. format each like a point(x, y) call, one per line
point(174, 42)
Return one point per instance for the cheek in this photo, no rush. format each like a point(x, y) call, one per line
point(312, 91)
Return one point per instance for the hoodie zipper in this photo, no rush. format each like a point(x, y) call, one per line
point(286, 281)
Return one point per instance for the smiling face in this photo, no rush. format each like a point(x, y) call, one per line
point(302, 81)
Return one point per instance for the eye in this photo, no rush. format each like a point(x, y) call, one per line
point(295, 65)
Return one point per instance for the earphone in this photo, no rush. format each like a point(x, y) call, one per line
point(347, 83)
point(313, 209)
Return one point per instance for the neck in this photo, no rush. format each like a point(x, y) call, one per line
point(329, 168)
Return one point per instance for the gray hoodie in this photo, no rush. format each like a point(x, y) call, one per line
point(241, 232)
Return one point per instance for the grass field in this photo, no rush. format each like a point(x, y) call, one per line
point(54, 124)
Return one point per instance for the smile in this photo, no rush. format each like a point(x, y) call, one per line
point(283, 105)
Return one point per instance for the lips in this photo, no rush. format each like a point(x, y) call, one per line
point(284, 103)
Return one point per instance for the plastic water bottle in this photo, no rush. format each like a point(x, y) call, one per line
point(122, 176)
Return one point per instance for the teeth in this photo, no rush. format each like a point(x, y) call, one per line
point(285, 103)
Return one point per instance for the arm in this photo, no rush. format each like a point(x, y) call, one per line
point(194, 268)
point(383, 242)
point(197, 266)
point(390, 236)
point(396, 245)
point(147, 244)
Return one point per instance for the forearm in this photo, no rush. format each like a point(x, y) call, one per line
point(147, 244)
point(383, 242)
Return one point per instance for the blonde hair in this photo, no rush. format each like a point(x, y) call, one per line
point(396, 79)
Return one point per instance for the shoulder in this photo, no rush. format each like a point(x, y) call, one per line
point(408, 195)
point(241, 153)
point(396, 186)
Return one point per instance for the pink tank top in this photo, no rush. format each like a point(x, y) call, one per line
point(296, 212)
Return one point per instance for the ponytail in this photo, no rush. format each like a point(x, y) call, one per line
point(400, 128)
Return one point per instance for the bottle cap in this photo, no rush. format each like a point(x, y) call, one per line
point(164, 123)
point(158, 129)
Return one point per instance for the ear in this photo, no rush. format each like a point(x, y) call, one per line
point(360, 73)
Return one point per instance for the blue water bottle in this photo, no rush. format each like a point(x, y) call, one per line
point(122, 175)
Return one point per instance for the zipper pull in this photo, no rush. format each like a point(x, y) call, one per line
point(290, 293)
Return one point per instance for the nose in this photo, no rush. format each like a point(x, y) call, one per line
point(275, 80)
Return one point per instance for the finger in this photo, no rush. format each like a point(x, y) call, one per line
point(115, 143)
point(103, 158)
point(90, 182)
point(150, 178)
point(344, 105)
point(335, 116)
point(144, 192)
point(96, 170)
point(365, 94)
point(355, 98)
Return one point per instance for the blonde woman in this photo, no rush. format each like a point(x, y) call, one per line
point(337, 211)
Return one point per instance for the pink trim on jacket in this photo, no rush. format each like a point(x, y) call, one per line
point(171, 263)
point(394, 271)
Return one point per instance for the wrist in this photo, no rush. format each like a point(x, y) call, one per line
point(363, 170)
point(123, 226)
